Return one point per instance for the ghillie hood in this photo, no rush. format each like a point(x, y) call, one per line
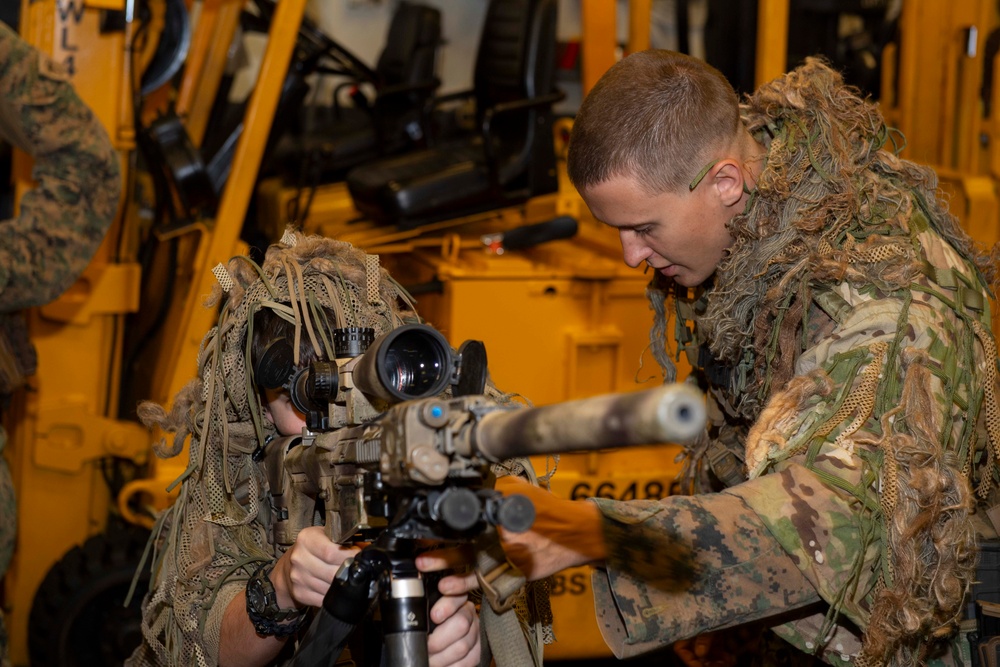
point(215, 533)
point(832, 202)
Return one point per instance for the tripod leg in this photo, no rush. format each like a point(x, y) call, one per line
point(324, 642)
point(346, 604)
point(404, 618)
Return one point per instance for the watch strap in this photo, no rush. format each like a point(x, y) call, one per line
point(270, 620)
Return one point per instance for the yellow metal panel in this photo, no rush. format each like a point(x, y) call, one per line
point(981, 215)
point(970, 82)
point(106, 4)
point(599, 40)
point(69, 435)
point(594, 361)
point(639, 18)
point(103, 289)
point(772, 40)
point(938, 80)
point(527, 324)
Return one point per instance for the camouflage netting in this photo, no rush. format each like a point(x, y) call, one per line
point(833, 206)
point(216, 534)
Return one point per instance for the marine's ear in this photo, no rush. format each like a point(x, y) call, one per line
point(726, 179)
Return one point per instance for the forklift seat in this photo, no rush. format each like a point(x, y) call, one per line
point(328, 139)
point(509, 156)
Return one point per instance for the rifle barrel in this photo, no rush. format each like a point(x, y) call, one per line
point(672, 413)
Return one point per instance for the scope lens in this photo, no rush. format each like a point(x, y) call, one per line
point(416, 363)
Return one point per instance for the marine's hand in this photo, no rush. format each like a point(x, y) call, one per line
point(302, 576)
point(455, 641)
point(456, 559)
point(566, 533)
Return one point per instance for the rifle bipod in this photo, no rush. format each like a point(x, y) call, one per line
point(378, 572)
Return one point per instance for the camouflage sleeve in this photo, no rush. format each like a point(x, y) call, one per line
point(64, 218)
point(897, 374)
point(688, 564)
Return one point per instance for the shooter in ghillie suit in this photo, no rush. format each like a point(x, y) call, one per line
point(218, 532)
point(60, 222)
point(840, 320)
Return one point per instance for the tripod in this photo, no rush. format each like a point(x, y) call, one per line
point(384, 571)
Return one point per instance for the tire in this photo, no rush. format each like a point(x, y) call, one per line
point(77, 617)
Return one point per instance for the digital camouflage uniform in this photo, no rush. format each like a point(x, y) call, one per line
point(846, 341)
point(60, 223)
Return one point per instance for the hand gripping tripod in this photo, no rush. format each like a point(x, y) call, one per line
point(383, 571)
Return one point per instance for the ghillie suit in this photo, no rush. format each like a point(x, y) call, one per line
point(211, 540)
point(846, 339)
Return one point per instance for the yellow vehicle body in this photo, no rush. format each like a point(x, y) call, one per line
point(932, 91)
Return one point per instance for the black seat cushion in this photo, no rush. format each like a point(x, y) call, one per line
point(329, 143)
point(326, 140)
point(432, 181)
point(513, 92)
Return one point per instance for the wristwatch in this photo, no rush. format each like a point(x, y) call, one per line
point(262, 607)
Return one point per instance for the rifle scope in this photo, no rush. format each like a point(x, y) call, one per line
point(407, 363)
point(410, 362)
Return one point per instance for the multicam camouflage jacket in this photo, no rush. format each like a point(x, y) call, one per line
point(849, 345)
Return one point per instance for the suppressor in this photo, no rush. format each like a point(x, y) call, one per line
point(671, 413)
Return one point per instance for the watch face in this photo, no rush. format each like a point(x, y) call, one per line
point(256, 597)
